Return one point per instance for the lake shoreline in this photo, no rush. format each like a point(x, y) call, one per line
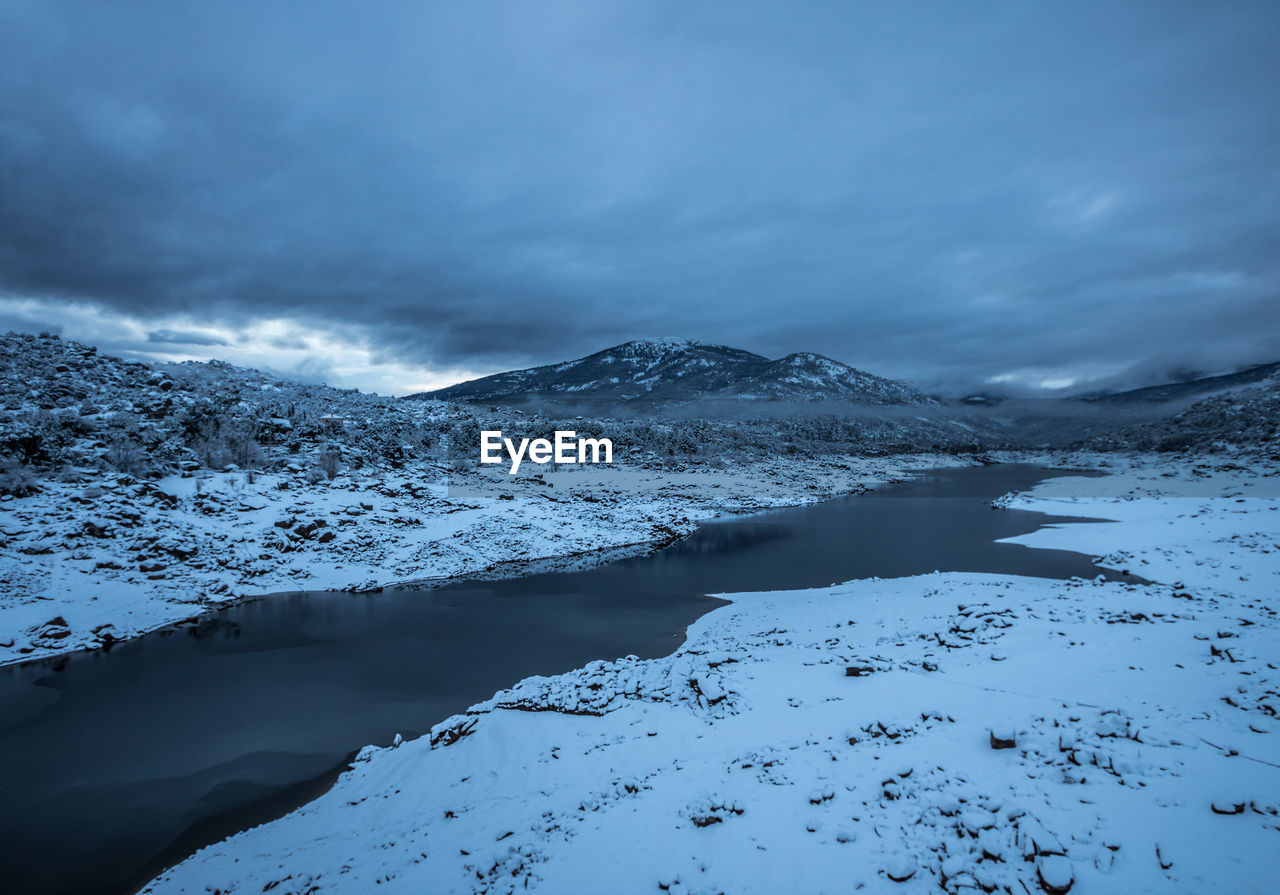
point(965, 633)
point(262, 647)
point(55, 607)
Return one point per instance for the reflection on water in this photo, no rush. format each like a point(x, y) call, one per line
point(116, 763)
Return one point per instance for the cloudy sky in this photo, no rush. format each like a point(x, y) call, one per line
point(401, 194)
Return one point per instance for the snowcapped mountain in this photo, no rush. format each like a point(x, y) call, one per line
point(807, 377)
point(679, 370)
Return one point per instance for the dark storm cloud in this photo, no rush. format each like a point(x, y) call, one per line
point(184, 337)
point(944, 192)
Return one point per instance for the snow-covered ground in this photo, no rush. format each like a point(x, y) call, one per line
point(962, 731)
point(89, 565)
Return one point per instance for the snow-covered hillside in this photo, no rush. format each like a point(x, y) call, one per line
point(812, 377)
point(134, 496)
point(1246, 417)
point(89, 564)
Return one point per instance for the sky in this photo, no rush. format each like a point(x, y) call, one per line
point(400, 195)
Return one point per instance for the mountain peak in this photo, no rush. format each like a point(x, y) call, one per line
point(675, 370)
point(666, 343)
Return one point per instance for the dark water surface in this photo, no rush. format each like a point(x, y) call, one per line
point(113, 765)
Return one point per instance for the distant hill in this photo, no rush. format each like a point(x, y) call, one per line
point(1193, 388)
point(681, 370)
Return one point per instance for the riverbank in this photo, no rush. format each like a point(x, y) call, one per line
point(974, 732)
point(91, 566)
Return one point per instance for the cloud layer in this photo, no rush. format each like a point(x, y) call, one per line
point(941, 192)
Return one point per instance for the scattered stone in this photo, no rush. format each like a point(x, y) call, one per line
point(1228, 805)
point(1056, 874)
point(96, 528)
point(1003, 738)
point(900, 867)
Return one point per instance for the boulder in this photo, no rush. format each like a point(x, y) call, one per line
point(1003, 738)
point(900, 867)
point(1056, 874)
point(1228, 804)
point(97, 528)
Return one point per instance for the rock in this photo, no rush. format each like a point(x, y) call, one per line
point(1228, 805)
point(1036, 840)
point(947, 804)
point(818, 796)
point(177, 550)
point(1003, 738)
point(954, 865)
point(96, 528)
point(992, 845)
point(1056, 874)
point(975, 819)
point(858, 670)
point(900, 867)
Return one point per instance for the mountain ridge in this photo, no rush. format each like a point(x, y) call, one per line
point(682, 370)
point(1199, 387)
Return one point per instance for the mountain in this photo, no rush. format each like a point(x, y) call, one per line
point(1244, 416)
point(811, 377)
point(1193, 388)
point(682, 370)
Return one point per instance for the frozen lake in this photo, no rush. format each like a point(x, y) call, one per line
point(114, 765)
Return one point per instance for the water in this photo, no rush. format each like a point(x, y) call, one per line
point(114, 765)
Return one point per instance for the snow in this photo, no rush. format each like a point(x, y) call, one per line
point(122, 557)
point(752, 761)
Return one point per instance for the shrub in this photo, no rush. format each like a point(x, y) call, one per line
point(17, 479)
point(329, 461)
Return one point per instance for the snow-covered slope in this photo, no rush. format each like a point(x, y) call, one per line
point(679, 370)
point(133, 496)
point(1247, 416)
point(812, 377)
point(1196, 388)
